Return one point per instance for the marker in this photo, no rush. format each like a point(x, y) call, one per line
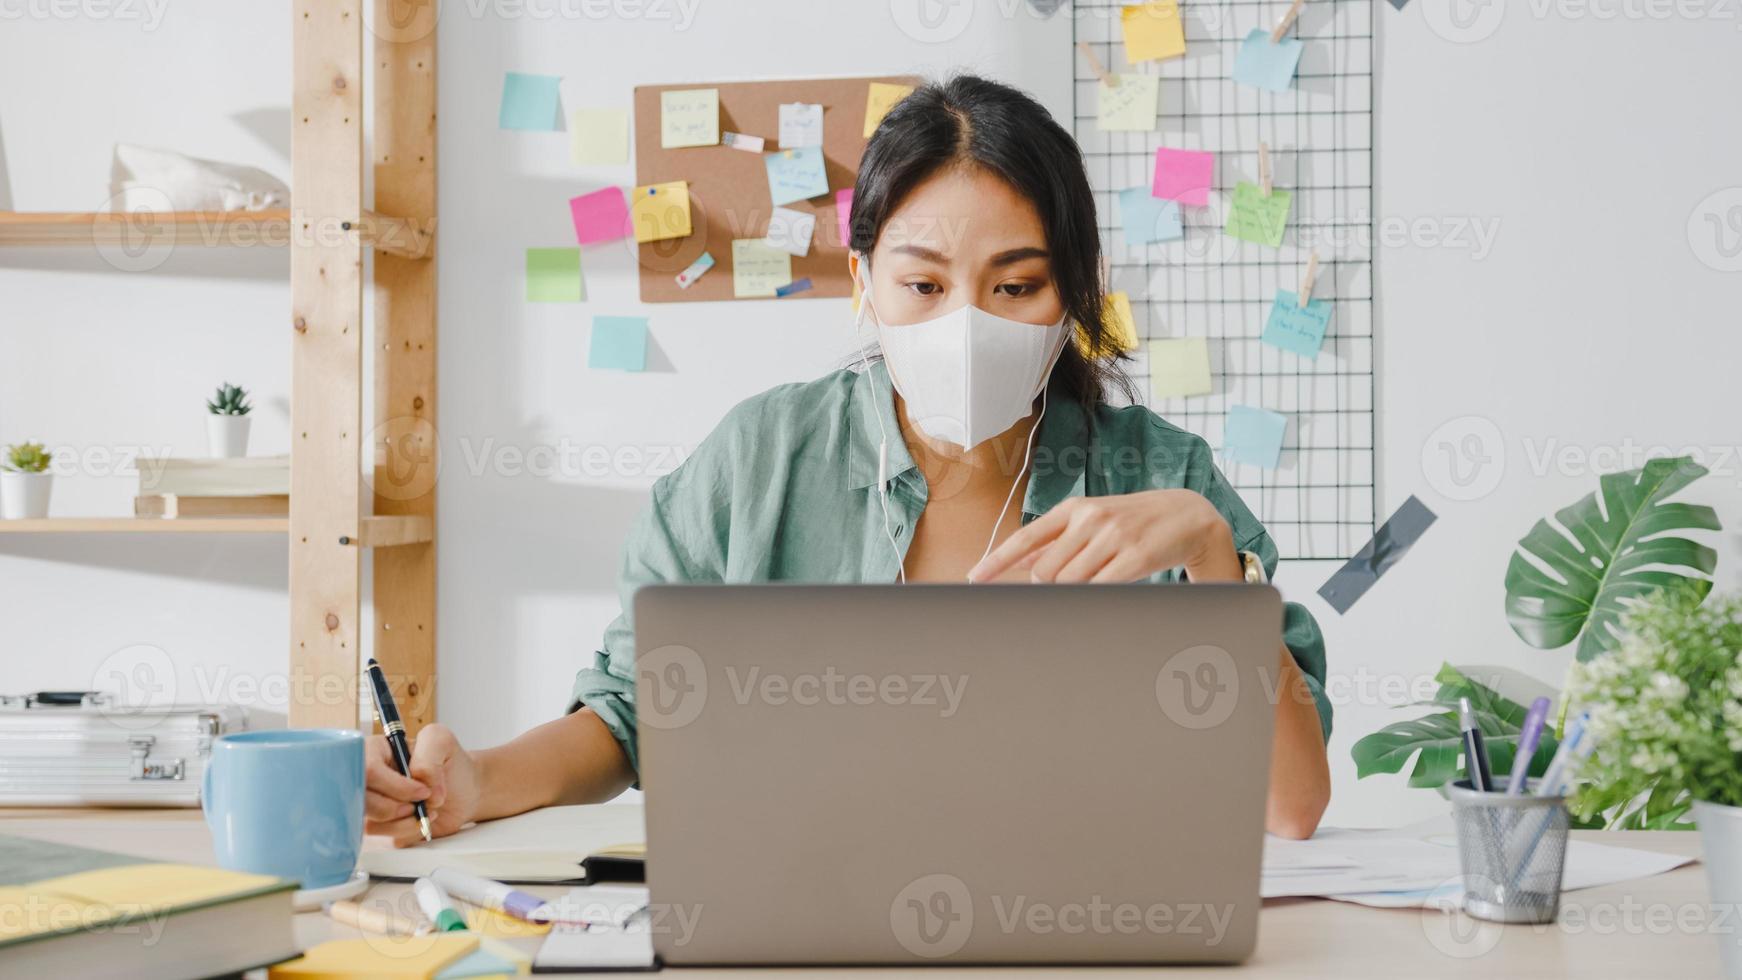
point(1528, 739)
point(1475, 753)
point(493, 895)
point(435, 904)
point(377, 920)
point(1575, 748)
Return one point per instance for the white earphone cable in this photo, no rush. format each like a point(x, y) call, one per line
point(1027, 449)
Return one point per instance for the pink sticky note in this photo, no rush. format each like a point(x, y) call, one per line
point(844, 210)
point(1184, 176)
point(601, 216)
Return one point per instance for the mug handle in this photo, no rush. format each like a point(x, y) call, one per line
point(206, 789)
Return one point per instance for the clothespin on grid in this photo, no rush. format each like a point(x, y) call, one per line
point(1265, 183)
point(1100, 70)
point(1306, 283)
point(1287, 21)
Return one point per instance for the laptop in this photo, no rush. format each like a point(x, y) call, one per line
point(951, 773)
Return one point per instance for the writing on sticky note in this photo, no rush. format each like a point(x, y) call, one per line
point(689, 117)
point(1129, 105)
point(794, 175)
point(844, 215)
point(1147, 218)
point(1254, 217)
point(1179, 367)
point(1152, 31)
point(1121, 325)
point(1267, 64)
point(553, 275)
point(530, 102)
point(879, 100)
point(1254, 436)
point(1294, 329)
point(758, 269)
point(600, 216)
point(790, 231)
point(661, 211)
point(619, 343)
point(1184, 176)
point(801, 124)
point(599, 136)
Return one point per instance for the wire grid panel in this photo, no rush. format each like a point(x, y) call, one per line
point(1319, 502)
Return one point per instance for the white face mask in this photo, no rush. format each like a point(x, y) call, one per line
point(967, 375)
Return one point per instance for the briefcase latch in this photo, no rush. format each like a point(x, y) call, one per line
point(144, 768)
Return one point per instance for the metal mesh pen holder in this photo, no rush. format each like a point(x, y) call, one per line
point(1512, 849)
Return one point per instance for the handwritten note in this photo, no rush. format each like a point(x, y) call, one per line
point(599, 136)
point(1153, 31)
point(619, 343)
point(1296, 330)
point(1267, 64)
point(1254, 436)
point(1129, 105)
point(600, 216)
point(689, 117)
point(791, 231)
point(530, 102)
point(758, 269)
point(661, 211)
point(553, 275)
point(1121, 325)
point(1179, 367)
point(1147, 218)
point(844, 215)
point(1253, 217)
point(801, 124)
point(1185, 176)
point(879, 100)
point(794, 175)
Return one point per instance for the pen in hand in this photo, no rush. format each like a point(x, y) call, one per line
point(394, 729)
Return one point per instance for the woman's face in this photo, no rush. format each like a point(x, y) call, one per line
point(963, 236)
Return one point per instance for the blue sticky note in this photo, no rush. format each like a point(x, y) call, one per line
point(619, 343)
point(1296, 330)
point(796, 175)
point(1148, 218)
point(1254, 435)
point(530, 102)
point(1266, 64)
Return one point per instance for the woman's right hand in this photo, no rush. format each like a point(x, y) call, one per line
point(444, 777)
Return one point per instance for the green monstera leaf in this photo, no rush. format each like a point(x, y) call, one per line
point(1436, 743)
point(1612, 547)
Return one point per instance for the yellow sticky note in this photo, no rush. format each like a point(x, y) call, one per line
point(489, 922)
point(378, 956)
point(1131, 104)
point(1153, 31)
point(661, 211)
point(599, 136)
point(880, 100)
point(689, 117)
point(758, 269)
point(1179, 367)
point(1121, 325)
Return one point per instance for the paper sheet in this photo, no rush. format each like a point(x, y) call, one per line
point(600, 216)
point(757, 269)
point(1296, 330)
point(619, 343)
point(1179, 367)
point(599, 136)
point(790, 231)
point(604, 927)
point(661, 211)
point(1129, 106)
point(689, 117)
point(1254, 436)
point(1267, 64)
point(540, 845)
point(553, 275)
point(1152, 31)
point(1255, 218)
point(796, 175)
point(1185, 176)
point(530, 102)
point(801, 124)
point(1147, 218)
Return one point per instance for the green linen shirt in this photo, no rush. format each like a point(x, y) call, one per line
point(784, 490)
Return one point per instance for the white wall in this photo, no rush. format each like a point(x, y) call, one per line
point(1591, 321)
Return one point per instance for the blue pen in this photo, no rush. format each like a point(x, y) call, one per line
point(1570, 753)
point(1528, 738)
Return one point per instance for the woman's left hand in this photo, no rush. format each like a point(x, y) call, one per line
point(1121, 538)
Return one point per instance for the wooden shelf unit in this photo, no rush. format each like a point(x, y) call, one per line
point(371, 532)
point(271, 228)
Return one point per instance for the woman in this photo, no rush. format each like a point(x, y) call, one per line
point(975, 245)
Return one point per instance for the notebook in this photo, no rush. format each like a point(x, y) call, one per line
point(602, 927)
point(75, 912)
point(542, 845)
point(380, 958)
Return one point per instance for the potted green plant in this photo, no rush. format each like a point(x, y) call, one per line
point(1665, 709)
point(227, 423)
point(25, 481)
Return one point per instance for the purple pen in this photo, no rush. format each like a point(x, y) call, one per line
point(1528, 737)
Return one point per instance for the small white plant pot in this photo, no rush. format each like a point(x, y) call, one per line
point(228, 435)
point(24, 495)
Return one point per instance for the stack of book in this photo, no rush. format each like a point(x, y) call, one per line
point(248, 486)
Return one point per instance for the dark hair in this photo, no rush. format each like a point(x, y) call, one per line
point(970, 121)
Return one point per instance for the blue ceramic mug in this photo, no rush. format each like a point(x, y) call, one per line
point(287, 803)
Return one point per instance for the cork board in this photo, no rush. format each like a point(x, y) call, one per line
point(729, 188)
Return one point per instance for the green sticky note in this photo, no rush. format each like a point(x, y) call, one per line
point(1179, 367)
point(619, 343)
point(1256, 218)
point(553, 275)
point(599, 136)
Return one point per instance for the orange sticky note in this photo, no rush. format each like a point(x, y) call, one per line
point(1153, 31)
point(661, 211)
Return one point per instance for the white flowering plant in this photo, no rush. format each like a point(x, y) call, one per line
point(1665, 710)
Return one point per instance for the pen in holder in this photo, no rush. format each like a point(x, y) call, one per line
point(1512, 850)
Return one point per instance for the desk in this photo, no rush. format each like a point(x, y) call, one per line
point(1656, 926)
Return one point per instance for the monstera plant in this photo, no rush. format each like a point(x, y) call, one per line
point(1568, 580)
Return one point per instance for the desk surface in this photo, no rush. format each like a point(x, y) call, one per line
point(1658, 926)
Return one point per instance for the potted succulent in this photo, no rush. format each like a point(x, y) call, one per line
point(227, 423)
point(25, 481)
